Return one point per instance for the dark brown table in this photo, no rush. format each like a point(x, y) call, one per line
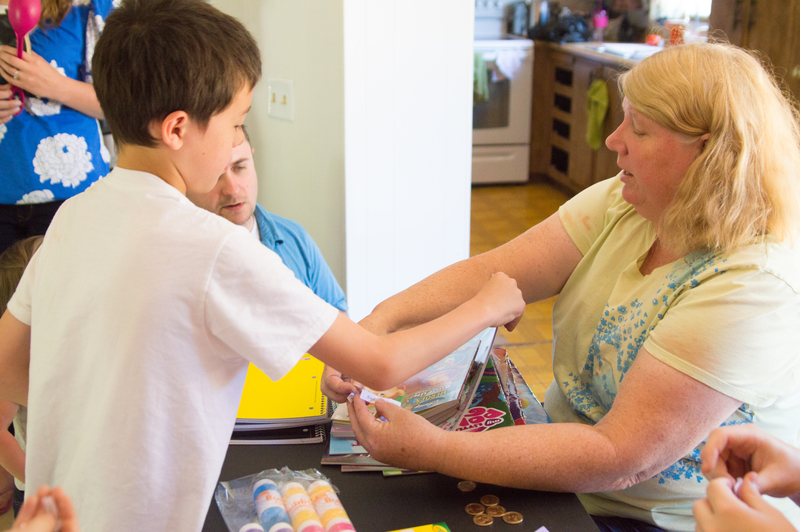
point(378, 504)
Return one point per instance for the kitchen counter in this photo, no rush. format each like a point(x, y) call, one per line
point(625, 55)
point(562, 76)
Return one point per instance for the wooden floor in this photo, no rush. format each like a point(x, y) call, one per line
point(500, 213)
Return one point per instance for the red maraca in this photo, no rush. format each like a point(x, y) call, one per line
point(23, 16)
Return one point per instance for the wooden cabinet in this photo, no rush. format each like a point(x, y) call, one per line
point(559, 148)
point(605, 160)
point(769, 26)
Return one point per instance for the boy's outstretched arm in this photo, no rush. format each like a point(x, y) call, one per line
point(15, 354)
point(381, 362)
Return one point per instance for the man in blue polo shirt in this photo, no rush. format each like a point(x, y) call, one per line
point(234, 198)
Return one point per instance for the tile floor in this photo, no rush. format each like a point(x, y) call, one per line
point(500, 213)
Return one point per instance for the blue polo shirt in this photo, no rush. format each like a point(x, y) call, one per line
point(300, 253)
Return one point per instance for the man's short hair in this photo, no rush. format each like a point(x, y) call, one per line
point(156, 57)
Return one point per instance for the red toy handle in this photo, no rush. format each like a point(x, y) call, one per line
point(17, 92)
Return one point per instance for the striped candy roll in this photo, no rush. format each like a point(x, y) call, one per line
point(300, 509)
point(269, 507)
point(329, 507)
point(251, 527)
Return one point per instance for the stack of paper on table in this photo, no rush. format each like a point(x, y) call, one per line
point(290, 410)
point(482, 406)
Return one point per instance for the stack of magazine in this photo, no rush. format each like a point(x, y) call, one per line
point(290, 410)
point(441, 393)
point(482, 402)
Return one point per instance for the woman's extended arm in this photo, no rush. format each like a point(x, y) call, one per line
point(658, 416)
point(540, 260)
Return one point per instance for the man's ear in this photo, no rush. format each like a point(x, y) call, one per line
point(172, 129)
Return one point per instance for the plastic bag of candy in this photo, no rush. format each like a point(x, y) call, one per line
point(282, 501)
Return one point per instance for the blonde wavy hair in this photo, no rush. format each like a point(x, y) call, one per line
point(744, 185)
point(12, 264)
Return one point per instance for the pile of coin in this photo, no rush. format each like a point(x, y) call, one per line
point(484, 512)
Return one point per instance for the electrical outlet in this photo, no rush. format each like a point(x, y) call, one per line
point(281, 98)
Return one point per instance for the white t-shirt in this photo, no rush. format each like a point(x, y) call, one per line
point(144, 313)
point(727, 320)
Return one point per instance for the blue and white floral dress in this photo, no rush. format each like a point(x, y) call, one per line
point(51, 152)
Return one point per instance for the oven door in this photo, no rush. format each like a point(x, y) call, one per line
point(505, 117)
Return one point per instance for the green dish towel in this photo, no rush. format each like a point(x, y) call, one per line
point(480, 83)
point(596, 108)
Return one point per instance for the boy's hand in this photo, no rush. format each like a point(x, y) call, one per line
point(404, 440)
point(723, 511)
point(34, 516)
point(503, 300)
point(335, 386)
point(8, 107)
point(732, 452)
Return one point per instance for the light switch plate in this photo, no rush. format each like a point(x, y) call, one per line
point(281, 98)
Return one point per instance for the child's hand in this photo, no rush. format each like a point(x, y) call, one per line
point(35, 517)
point(723, 511)
point(336, 387)
point(503, 300)
point(731, 452)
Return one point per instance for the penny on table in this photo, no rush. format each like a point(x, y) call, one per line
point(466, 485)
point(490, 500)
point(495, 511)
point(482, 520)
point(513, 518)
point(474, 508)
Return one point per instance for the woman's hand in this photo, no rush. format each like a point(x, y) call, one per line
point(404, 440)
point(723, 511)
point(32, 73)
point(8, 107)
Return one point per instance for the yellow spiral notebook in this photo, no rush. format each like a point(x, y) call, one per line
point(294, 400)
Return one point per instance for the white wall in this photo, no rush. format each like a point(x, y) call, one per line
point(382, 126)
point(300, 164)
point(408, 147)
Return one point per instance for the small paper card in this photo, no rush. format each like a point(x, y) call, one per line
point(369, 397)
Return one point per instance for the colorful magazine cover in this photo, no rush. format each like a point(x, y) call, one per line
point(488, 411)
point(435, 392)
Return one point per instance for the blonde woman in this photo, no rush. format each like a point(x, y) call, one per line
point(678, 307)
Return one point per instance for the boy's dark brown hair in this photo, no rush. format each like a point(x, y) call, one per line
point(156, 57)
point(12, 264)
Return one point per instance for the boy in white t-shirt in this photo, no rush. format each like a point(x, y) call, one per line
point(131, 330)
